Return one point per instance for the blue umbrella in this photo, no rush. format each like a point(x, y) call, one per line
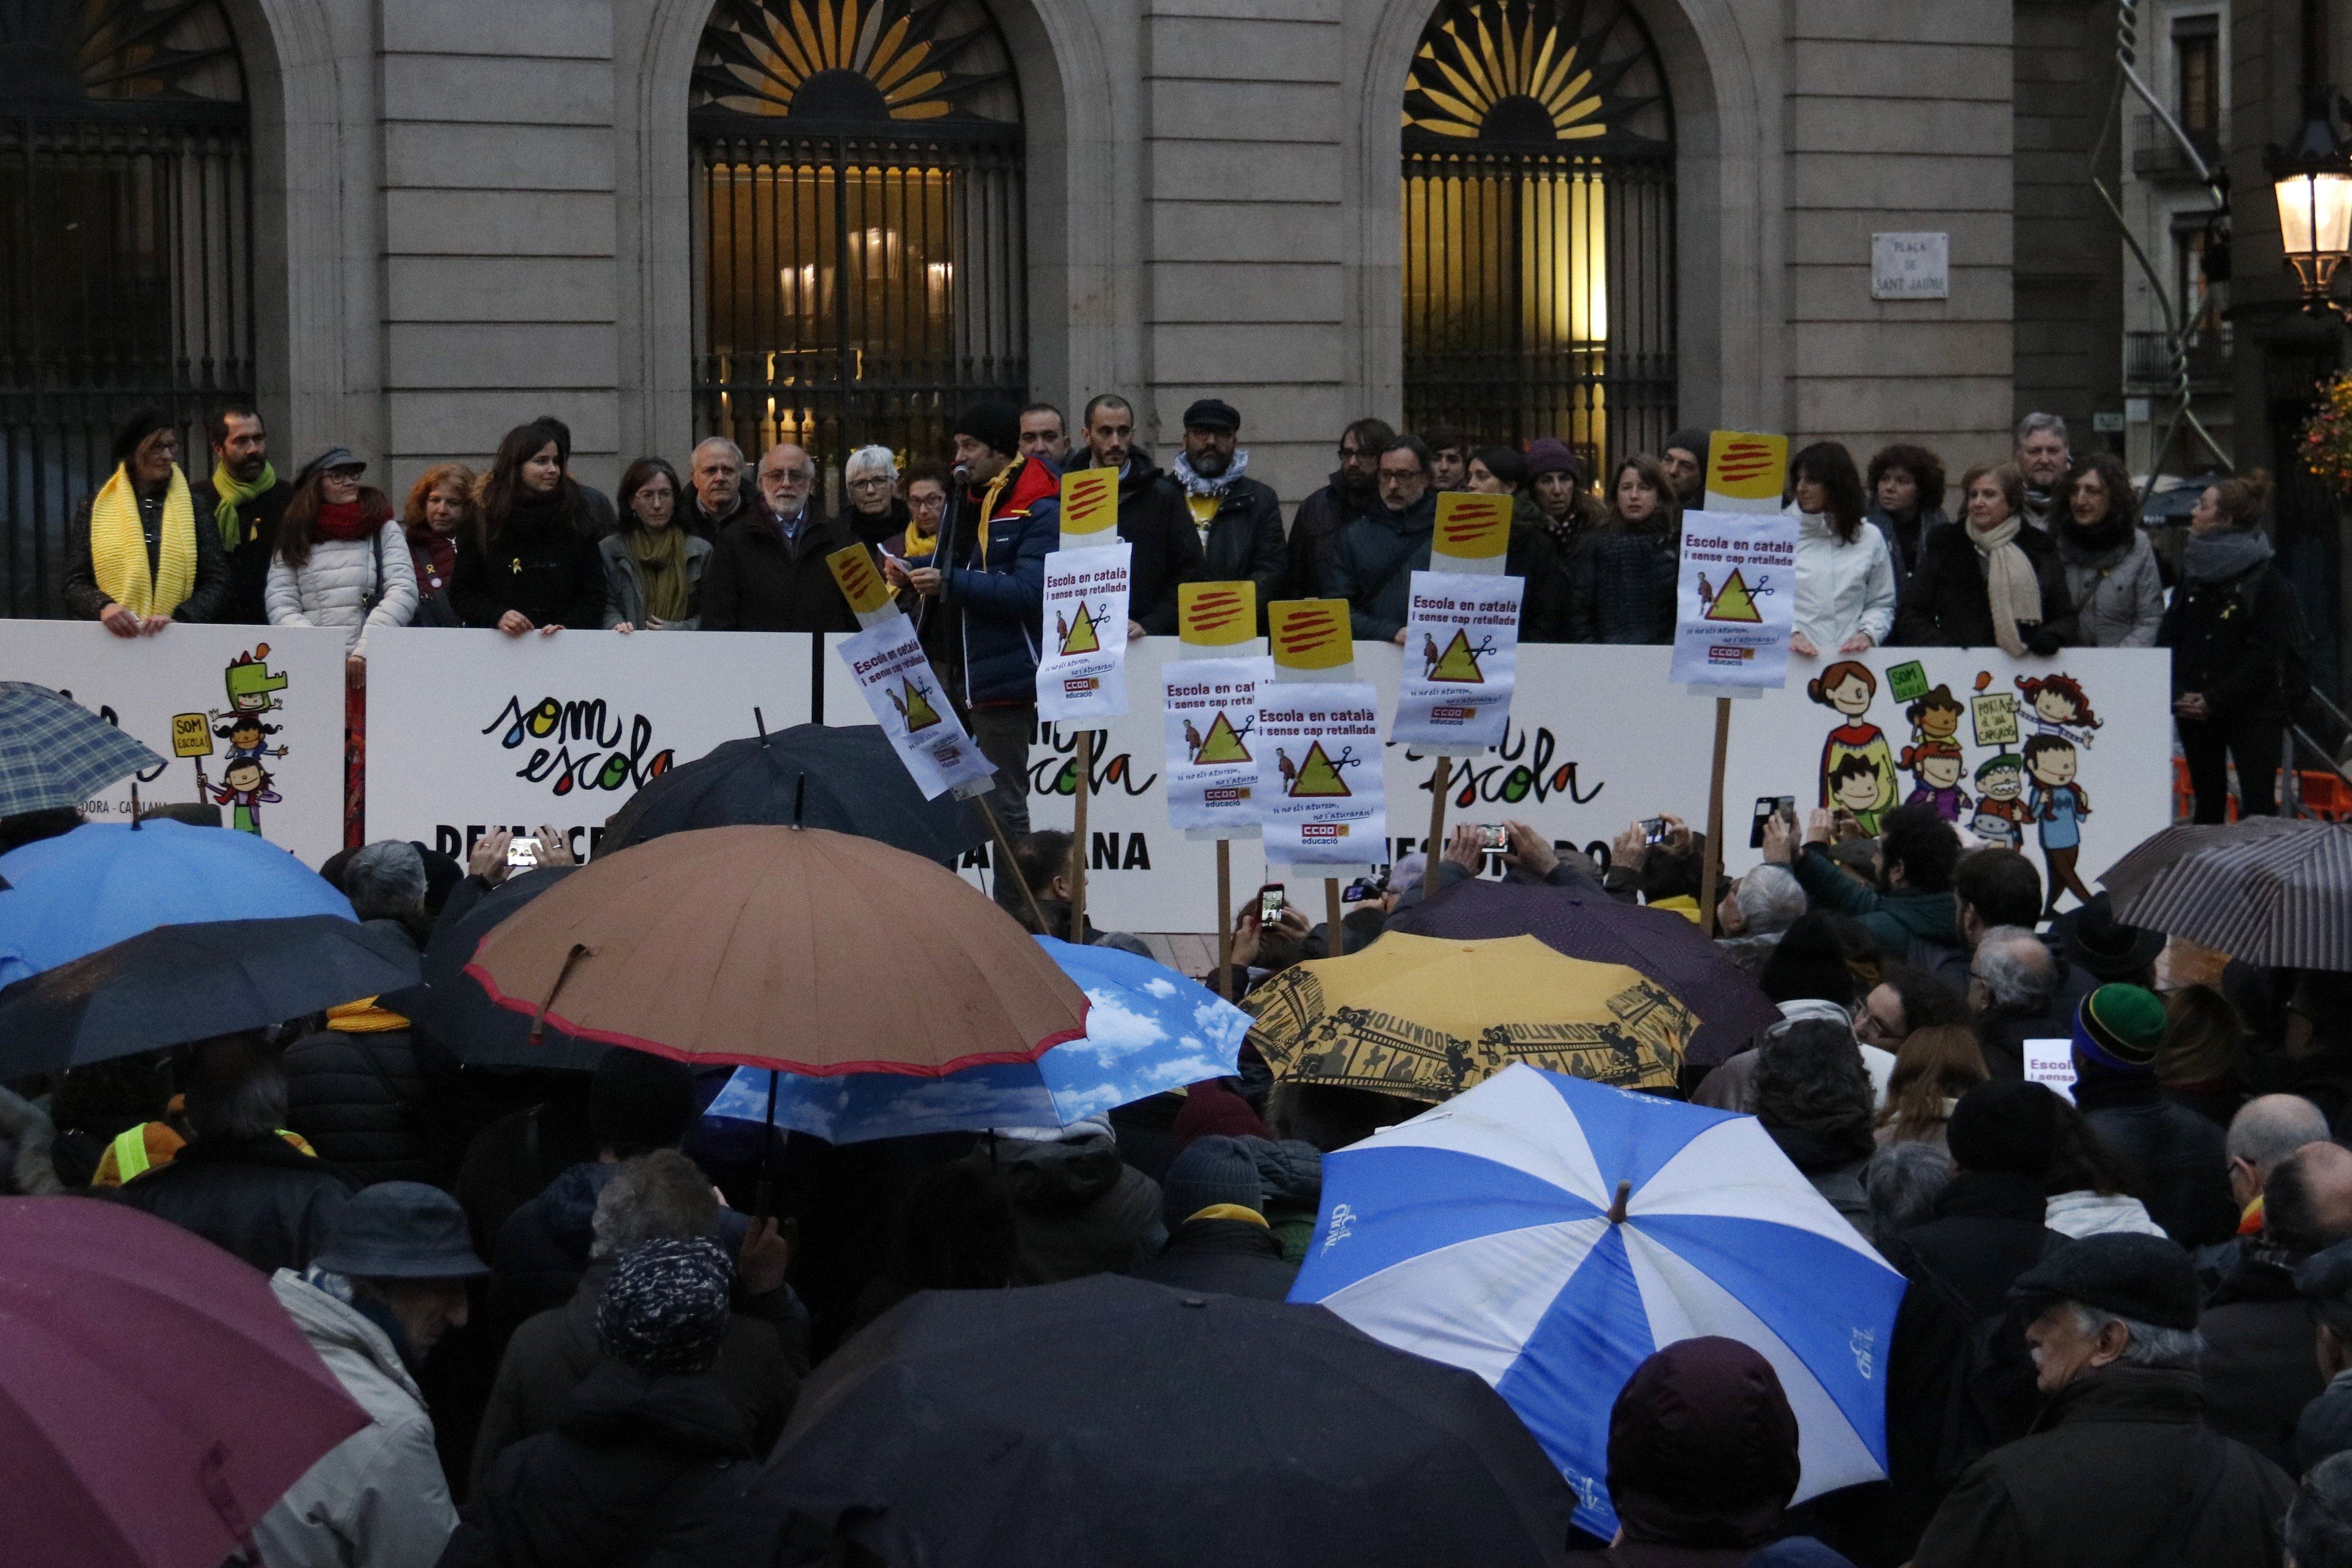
point(105, 882)
point(1147, 1030)
point(1548, 1234)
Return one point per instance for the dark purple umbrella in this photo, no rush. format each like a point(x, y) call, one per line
point(1659, 944)
point(155, 1399)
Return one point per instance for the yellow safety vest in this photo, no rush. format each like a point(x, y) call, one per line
point(131, 1151)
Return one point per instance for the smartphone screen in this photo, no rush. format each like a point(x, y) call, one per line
point(522, 852)
point(1653, 829)
point(1766, 805)
point(1269, 903)
point(1492, 838)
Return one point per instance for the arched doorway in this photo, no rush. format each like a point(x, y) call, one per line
point(126, 250)
point(1538, 227)
point(859, 267)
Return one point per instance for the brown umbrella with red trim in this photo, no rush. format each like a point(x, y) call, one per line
point(816, 952)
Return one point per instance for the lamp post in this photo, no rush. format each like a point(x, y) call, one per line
point(2312, 178)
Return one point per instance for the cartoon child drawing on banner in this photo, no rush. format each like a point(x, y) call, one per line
point(2001, 801)
point(1935, 768)
point(247, 736)
point(1849, 687)
point(1936, 717)
point(2057, 806)
point(1854, 786)
point(244, 787)
point(251, 686)
point(2054, 705)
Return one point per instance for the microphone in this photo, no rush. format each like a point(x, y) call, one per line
point(962, 472)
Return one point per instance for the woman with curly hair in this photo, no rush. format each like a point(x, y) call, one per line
point(439, 509)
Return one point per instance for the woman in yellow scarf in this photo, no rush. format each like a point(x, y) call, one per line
point(136, 560)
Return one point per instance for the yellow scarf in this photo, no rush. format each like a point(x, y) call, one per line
point(364, 1017)
point(118, 546)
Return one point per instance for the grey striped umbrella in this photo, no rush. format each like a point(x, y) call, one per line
point(2160, 852)
point(2282, 896)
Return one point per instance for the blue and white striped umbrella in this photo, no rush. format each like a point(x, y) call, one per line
point(1486, 1232)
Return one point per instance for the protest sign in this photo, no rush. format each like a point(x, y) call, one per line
point(1080, 669)
point(1461, 640)
point(1320, 771)
point(1745, 470)
point(1210, 713)
point(1089, 510)
point(1215, 618)
point(1472, 534)
point(1309, 639)
point(861, 584)
point(895, 677)
point(469, 732)
point(2051, 1061)
point(1735, 599)
point(249, 719)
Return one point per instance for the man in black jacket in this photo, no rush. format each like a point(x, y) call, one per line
point(1353, 492)
point(1238, 519)
point(2177, 1156)
point(1214, 1201)
point(715, 494)
point(2261, 1362)
point(1164, 550)
point(768, 573)
point(255, 499)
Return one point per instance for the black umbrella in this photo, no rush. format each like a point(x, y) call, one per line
point(452, 1006)
point(1106, 1420)
point(811, 775)
point(181, 982)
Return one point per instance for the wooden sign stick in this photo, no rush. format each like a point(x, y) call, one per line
point(1335, 944)
point(1713, 873)
point(1078, 851)
point(1225, 918)
point(1436, 825)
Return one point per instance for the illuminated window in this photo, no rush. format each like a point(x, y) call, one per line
point(1538, 209)
point(858, 223)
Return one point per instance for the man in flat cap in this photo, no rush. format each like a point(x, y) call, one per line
point(2120, 1470)
point(1239, 520)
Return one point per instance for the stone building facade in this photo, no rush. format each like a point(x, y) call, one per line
point(461, 214)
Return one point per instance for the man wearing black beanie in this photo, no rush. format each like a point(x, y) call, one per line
point(981, 593)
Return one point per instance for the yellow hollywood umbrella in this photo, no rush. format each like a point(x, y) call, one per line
point(1429, 1017)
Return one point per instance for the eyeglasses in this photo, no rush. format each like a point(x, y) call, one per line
point(791, 476)
point(926, 503)
point(871, 482)
point(1400, 475)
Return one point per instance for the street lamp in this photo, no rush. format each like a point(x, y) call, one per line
point(2313, 179)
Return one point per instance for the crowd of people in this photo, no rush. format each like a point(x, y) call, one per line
point(2048, 552)
point(574, 1325)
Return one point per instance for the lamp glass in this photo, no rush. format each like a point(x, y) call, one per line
point(2315, 214)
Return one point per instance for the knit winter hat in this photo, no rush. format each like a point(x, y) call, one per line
point(2008, 1125)
point(1550, 455)
point(665, 1310)
point(992, 423)
point(638, 1101)
point(1692, 441)
point(1212, 1170)
point(2120, 1026)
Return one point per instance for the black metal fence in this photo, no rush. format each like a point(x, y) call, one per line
point(1539, 298)
point(855, 289)
point(126, 268)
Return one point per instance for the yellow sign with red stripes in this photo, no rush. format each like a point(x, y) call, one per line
point(1310, 634)
point(1471, 527)
point(861, 581)
point(1089, 505)
point(1745, 470)
point(1216, 614)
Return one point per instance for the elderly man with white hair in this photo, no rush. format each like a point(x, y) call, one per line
point(2044, 456)
point(1755, 912)
point(2012, 979)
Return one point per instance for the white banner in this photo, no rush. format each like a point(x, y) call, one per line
point(1082, 672)
point(1462, 641)
point(1209, 714)
point(1320, 772)
point(259, 711)
point(904, 694)
point(1735, 598)
point(469, 732)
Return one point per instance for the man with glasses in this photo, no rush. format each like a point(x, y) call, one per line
point(768, 573)
point(1350, 493)
point(1373, 559)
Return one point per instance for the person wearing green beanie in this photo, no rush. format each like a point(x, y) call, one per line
point(2178, 1155)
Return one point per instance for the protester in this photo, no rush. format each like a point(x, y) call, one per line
point(1934, 1066)
point(1041, 871)
point(2198, 1063)
point(2175, 1154)
point(2042, 459)
point(2094, 949)
point(1043, 435)
point(238, 1183)
point(2091, 1191)
point(2012, 981)
point(341, 559)
point(1163, 543)
point(1846, 577)
point(1449, 459)
point(2118, 1471)
point(135, 558)
point(1557, 481)
point(533, 564)
point(2111, 573)
point(1624, 592)
point(1351, 491)
point(594, 504)
point(985, 584)
point(1213, 1203)
point(354, 1089)
point(876, 514)
point(1904, 1000)
point(1236, 518)
point(1815, 1099)
point(389, 1283)
point(441, 509)
point(650, 1460)
point(661, 1197)
point(2319, 1521)
point(2262, 1351)
point(1682, 460)
point(1992, 580)
point(717, 496)
point(1902, 1180)
point(2264, 1131)
point(1702, 1463)
point(653, 567)
point(2324, 1429)
point(1910, 914)
point(1906, 504)
point(2236, 634)
point(1370, 564)
point(1755, 911)
point(244, 498)
point(768, 570)
point(1077, 1207)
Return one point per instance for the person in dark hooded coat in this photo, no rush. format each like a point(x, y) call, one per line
point(1702, 1464)
point(1077, 1207)
point(651, 1461)
point(1218, 1239)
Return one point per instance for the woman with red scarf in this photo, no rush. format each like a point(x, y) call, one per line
point(343, 561)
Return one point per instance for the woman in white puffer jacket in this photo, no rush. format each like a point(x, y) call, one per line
point(1846, 577)
point(342, 559)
